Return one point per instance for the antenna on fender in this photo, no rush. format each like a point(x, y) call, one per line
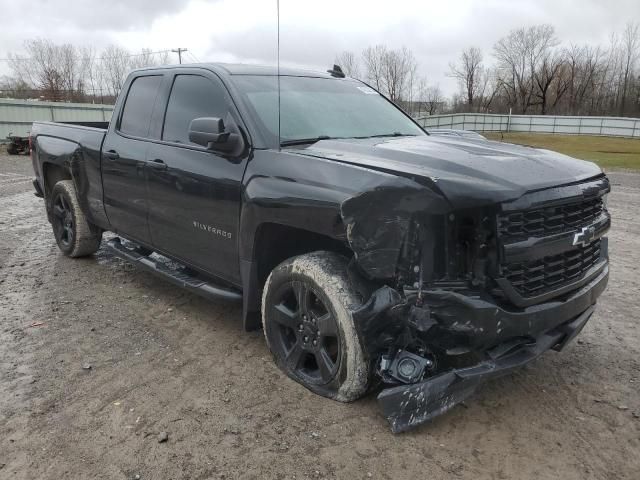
point(278, 73)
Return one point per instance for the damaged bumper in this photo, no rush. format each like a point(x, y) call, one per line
point(407, 406)
point(515, 338)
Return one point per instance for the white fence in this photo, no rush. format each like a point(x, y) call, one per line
point(480, 122)
point(16, 116)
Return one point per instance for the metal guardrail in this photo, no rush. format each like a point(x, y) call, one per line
point(16, 116)
point(574, 125)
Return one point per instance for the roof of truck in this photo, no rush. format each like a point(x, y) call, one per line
point(247, 69)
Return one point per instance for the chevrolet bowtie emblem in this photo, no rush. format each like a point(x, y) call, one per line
point(585, 236)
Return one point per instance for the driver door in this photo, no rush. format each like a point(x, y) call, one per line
point(194, 194)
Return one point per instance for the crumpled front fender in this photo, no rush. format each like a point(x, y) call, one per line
point(378, 221)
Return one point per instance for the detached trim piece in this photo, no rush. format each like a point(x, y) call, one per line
point(36, 186)
point(188, 282)
point(410, 405)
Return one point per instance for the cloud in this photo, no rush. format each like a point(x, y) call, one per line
point(90, 15)
point(312, 32)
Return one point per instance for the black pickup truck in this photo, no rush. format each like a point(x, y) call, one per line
point(375, 256)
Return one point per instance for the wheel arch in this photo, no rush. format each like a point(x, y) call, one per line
point(52, 173)
point(274, 243)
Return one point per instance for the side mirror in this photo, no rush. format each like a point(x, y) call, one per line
point(210, 133)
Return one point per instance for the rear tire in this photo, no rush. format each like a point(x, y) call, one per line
point(307, 307)
point(75, 236)
point(12, 149)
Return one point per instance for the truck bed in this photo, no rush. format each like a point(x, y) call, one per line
point(73, 131)
point(76, 148)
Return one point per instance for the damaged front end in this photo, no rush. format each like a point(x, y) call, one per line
point(458, 296)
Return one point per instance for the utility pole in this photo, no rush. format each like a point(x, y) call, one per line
point(179, 52)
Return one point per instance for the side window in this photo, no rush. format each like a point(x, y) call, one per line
point(192, 96)
point(136, 114)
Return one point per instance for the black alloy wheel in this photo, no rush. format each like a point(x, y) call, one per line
point(63, 220)
point(306, 333)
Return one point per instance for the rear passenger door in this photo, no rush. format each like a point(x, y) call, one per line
point(124, 154)
point(195, 194)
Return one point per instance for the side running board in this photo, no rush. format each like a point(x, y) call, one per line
point(174, 275)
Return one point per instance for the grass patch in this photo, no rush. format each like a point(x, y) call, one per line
point(605, 151)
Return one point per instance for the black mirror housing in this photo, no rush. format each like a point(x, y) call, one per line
point(208, 132)
point(211, 133)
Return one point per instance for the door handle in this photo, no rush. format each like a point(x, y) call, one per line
point(158, 164)
point(112, 155)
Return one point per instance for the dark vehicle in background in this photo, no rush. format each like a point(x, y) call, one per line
point(373, 255)
point(17, 144)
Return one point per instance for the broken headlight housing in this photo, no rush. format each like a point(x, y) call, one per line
point(404, 367)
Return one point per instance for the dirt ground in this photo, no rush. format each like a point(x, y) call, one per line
point(162, 360)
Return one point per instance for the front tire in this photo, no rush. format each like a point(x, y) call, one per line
point(75, 236)
point(307, 307)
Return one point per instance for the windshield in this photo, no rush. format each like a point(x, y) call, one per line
point(317, 108)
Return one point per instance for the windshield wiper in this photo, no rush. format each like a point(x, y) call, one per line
point(304, 141)
point(394, 134)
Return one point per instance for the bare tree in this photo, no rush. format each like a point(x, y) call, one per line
point(56, 72)
point(69, 73)
point(630, 55)
point(519, 55)
point(547, 75)
point(428, 99)
point(349, 64)
point(163, 57)
point(40, 68)
point(489, 90)
point(434, 100)
point(398, 69)
point(91, 73)
point(469, 72)
point(143, 59)
point(421, 97)
point(584, 71)
point(12, 87)
point(392, 72)
point(115, 66)
point(373, 59)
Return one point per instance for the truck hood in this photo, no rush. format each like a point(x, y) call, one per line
point(468, 172)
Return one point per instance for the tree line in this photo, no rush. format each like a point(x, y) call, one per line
point(394, 73)
point(49, 71)
point(528, 71)
point(534, 73)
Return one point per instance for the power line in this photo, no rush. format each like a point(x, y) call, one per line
point(179, 52)
point(18, 59)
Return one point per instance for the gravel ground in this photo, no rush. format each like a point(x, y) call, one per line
point(98, 358)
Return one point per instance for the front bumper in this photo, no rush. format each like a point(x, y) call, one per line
point(407, 406)
point(508, 340)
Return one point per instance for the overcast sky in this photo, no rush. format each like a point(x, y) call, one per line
point(312, 32)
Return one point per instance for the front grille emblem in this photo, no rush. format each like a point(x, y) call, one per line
point(585, 236)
